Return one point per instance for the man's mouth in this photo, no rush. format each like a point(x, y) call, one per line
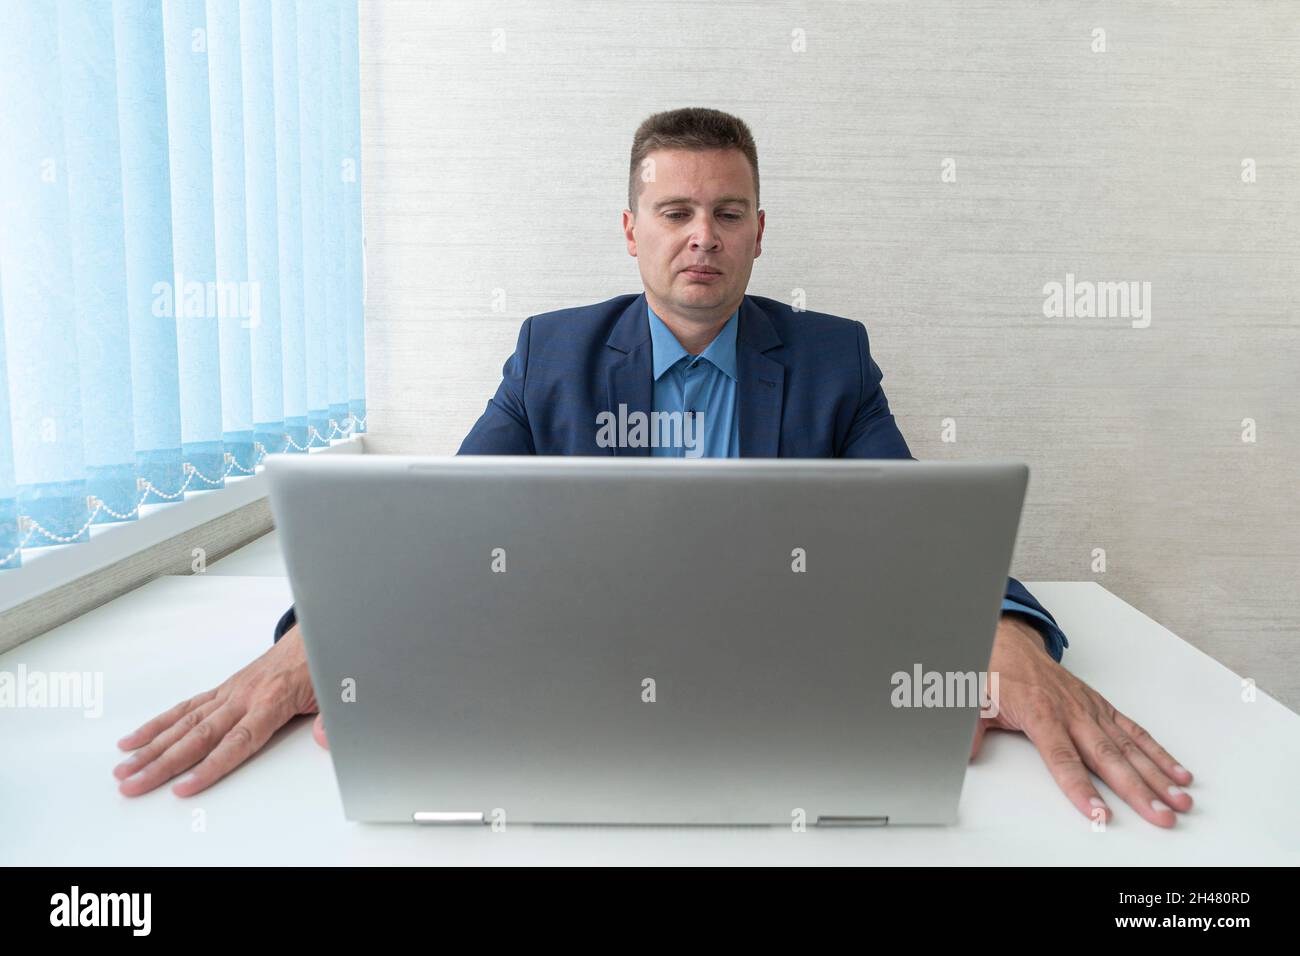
point(702, 273)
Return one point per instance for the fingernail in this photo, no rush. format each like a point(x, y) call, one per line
point(134, 777)
point(1179, 768)
point(125, 767)
point(1159, 807)
point(1176, 793)
point(185, 779)
point(1098, 802)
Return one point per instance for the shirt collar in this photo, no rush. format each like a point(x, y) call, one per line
point(668, 351)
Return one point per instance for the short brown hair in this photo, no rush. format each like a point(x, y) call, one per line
point(693, 127)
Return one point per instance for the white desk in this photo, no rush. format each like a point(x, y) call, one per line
point(180, 635)
point(261, 557)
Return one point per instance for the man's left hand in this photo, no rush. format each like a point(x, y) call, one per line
point(1077, 730)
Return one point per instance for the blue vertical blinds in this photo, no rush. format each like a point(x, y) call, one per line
point(180, 251)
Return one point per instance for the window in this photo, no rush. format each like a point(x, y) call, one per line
point(181, 280)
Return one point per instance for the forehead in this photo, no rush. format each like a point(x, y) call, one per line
point(703, 175)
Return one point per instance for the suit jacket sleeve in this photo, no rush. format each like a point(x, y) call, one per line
point(287, 620)
point(874, 434)
point(503, 427)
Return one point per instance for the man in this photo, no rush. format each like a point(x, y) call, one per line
point(764, 381)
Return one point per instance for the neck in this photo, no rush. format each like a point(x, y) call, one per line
point(694, 331)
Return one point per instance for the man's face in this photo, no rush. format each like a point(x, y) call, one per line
point(698, 210)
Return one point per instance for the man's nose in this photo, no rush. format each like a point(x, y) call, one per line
point(704, 238)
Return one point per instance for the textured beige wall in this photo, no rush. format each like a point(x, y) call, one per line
point(496, 139)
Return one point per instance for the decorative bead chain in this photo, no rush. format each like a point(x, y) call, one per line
point(30, 525)
point(345, 431)
point(21, 544)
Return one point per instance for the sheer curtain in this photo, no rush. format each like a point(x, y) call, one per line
point(180, 251)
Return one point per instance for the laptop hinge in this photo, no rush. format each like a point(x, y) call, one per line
point(852, 821)
point(444, 818)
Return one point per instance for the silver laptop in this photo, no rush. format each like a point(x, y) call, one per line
point(519, 640)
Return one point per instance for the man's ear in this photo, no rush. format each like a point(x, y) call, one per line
point(629, 224)
point(758, 240)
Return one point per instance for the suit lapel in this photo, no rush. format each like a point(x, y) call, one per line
point(630, 380)
point(760, 389)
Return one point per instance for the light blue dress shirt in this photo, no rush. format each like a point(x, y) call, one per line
point(703, 385)
point(706, 384)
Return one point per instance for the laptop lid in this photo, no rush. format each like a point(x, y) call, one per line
point(647, 641)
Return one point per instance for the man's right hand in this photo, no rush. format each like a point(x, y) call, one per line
point(213, 733)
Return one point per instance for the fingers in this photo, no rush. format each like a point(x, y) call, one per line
point(153, 728)
point(1160, 783)
point(1171, 767)
point(1055, 746)
point(318, 731)
point(175, 752)
point(216, 731)
point(1104, 756)
point(156, 747)
point(242, 741)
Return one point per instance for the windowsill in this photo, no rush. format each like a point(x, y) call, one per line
point(47, 568)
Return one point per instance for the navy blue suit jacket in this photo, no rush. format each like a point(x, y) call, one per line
point(808, 388)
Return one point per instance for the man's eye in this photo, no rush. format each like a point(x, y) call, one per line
point(733, 216)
